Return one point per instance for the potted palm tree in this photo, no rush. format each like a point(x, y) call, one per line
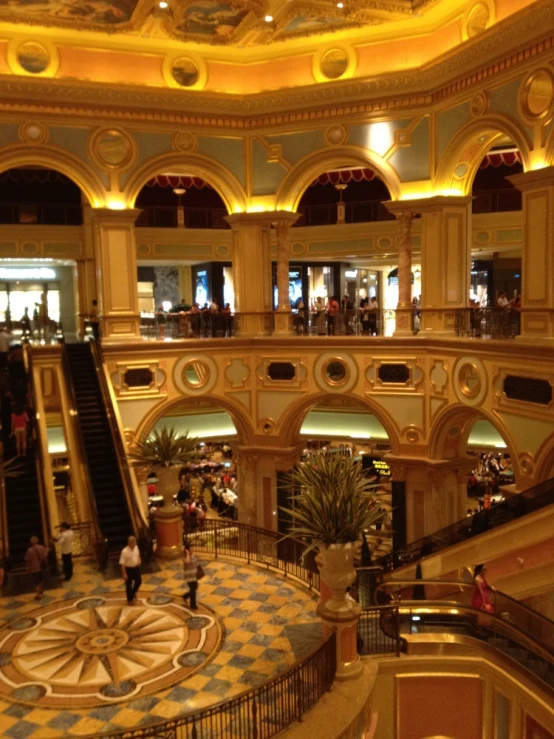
point(163, 452)
point(332, 506)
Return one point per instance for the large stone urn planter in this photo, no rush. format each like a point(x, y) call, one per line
point(336, 607)
point(168, 482)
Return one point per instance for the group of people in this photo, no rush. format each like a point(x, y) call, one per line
point(38, 558)
point(331, 317)
point(200, 321)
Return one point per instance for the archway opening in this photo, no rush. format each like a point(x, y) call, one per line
point(346, 427)
point(175, 277)
point(171, 200)
point(496, 260)
point(466, 433)
point(37, 274)
point(207, 485)
point(360, 284)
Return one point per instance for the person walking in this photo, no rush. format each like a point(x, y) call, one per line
point(190, 565)
point(130, 569)
point(65, 540)
point(35, 561)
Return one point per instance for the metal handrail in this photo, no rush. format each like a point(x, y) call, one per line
point(140, 526)
point(528, 501)
point(73, 413)
point(283, 699)
point(522, 618)
point(38, 456)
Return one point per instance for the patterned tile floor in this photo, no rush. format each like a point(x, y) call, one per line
point(268, 622)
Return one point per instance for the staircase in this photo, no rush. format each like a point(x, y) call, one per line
point(23, 510)
point(99, 447)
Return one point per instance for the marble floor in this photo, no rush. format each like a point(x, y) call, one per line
point(82, 662)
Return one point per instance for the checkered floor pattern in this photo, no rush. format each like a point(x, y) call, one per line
point(256, 608)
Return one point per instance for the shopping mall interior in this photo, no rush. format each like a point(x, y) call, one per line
point(276, 231)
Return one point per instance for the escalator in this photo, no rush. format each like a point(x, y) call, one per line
point(102, 449)
point(517, 507)
point(444, 607)
point(24, 511)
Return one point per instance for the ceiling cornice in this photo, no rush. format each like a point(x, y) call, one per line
point(513, 43)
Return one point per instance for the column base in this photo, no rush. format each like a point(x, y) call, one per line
point(349, 670)
point(116, 329)
point(169, 532)
point(283, 323)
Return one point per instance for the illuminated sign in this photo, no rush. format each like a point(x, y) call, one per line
point(381, 467)
point(27, 273)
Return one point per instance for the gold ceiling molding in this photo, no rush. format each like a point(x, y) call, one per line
point(509, 45)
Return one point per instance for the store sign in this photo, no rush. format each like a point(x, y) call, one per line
point(351, 273)
point(27, 273)
point(381, 467)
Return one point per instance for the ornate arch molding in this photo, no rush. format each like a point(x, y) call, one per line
point(549, 150)
point(291, 423)
point(459, 419)
point(459, 163)
point(23, 155)
point(544, 468)
point(197, 165)
point(309, 167)
point(239, 416)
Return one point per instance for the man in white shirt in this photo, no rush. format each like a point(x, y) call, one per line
point(130, 569)
point(65, 540)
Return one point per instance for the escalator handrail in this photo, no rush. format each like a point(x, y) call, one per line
point(38, 456)
point(137, 519)
point(542, 624)
point(78, 433)
point(468, 528)
point(496, 624)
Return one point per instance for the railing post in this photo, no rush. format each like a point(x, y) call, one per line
point(397, 628)
point(254, 718)
point(216, 537)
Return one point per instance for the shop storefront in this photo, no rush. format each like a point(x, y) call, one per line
point(213, 280)
point(360, 283)
point(35, 293)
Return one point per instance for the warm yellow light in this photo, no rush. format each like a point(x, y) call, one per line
point(268, 18)
point(537, 162)
point(258, 209)
point(340, 5)
point(380, 137)
point(163, 5)
point(114, 204)
point(424, 195)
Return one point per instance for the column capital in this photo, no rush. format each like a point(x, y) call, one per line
point(126, 216)
point(534, 179)
point(264, 219)
point(427, 205)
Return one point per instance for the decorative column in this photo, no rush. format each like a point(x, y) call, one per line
point(86, 271)
point(445, 260)
point(404, 310)
point(336, 607)
point(283, 316)
point(252, 272)
point(537, 315)
point(116, 273)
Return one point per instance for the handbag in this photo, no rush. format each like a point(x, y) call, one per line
point(200, 572)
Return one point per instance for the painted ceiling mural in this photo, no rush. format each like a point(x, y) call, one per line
point(214, 21)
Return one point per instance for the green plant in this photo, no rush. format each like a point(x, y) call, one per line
point(164, 448)
point(331, 500)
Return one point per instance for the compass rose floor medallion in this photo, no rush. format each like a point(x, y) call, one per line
point(97, 651)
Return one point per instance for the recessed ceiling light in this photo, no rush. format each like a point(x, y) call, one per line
point(340, 5)
point(163, 4)
point(268, 18)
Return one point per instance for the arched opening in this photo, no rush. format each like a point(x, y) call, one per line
point(210, 478)
point(347, 191)
point(173, 276)
point(464, 433)
point(346, 426)
point(180, 201)
point(478, 162)
point(39, 196)
point(37, 288)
